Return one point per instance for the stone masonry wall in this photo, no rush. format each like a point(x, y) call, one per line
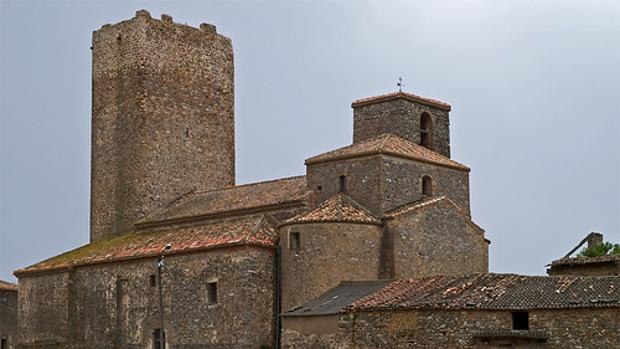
point(402, 183)
point(363, 180)
point(402, 118)
point(42, 315)
point(329, 253)
point(116, 306)
point(592, 269)
point(162, 117)
point(8, 318)
point(436, 240)
point(568, 328)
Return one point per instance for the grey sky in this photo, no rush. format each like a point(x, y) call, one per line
point(534, 86)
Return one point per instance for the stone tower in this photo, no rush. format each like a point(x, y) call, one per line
point(162, 117)
point(417, 119)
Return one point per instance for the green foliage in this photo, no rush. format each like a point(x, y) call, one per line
point(606, 248)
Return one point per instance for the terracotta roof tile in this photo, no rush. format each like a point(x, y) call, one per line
point(587, 260)
point(496, 291)
point(427, 202)
point(7, 286)
point(245, 231)
point(388, 144)
point(404, 95)
point(241, 199)
point(338, 208)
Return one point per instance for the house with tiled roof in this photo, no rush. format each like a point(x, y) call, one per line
point(182, 257)
point(8, 315)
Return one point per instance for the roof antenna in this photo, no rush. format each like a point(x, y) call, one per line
point(400, 84)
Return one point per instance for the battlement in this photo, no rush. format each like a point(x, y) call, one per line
point(166, 19)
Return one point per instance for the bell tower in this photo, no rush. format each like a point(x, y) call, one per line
point(162, 117)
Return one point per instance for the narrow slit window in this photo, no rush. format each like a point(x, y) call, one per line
point(156, 340)
point(152, 280)
point(426, 131)
point(343, 184)
point(520, 320)
point(427, 186)
point(212, 293)
point(294, 241)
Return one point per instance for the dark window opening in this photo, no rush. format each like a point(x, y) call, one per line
point(520, 320)
point(156, 343)
point(427, 186)
point(426, 131)
point(212, 292)
point(343, 184)
point(152, 280)
point(3, 344)
point(294, 242)
point(319, 188)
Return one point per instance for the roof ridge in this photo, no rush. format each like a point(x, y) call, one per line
point(248, 184)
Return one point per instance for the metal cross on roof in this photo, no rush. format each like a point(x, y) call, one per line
point(400, 84)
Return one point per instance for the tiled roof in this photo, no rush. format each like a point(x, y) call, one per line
point(496, 291)
point(404, 95)
point(333, 301)
point(430, 201)
point(587, 260)
point(245, 231)
point(7, 286)
point(338, 208)
point(247, 198)
point(388, 144)
point(414, 206)
point(503, 333)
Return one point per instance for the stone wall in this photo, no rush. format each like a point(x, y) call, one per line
point(567, 328)
point(402, 183)
point(115, 305)
point(363, 180)
point(591, 269)
point(162, 117)
point(8, 318)
point(402, 118)
point(329, 253)
point(436, 240)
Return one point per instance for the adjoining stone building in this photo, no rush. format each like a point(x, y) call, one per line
point(581, 265)
point(391, 206)
point(490, 311)
point(8, 315)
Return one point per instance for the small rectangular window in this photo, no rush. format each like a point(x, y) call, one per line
point(152, 280)
point(343, 184)
point(294, 241)
point(156, 340)
point(520, 320)
point(212, 293)
point(3, 344)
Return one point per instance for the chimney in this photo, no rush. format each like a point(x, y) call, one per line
point(594, 239)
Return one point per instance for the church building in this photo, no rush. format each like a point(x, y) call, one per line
point(373, 247)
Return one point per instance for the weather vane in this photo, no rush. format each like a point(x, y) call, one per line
point(400, 84)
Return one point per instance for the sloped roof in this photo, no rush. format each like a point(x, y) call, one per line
point(241, 199)
point(335, 300)
point(427, 202)
point(338, 208)
point(7, 286)
point(401, 95)
point(496, 291)
point(586, 260)
point(388, 144)
point(244, 231)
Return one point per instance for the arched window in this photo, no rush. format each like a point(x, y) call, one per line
point(426, 131)
point(427, 186)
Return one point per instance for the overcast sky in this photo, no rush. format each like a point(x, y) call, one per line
point(534, 88)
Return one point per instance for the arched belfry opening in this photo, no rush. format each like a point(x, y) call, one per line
point(426, 131)
point(427, 186)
